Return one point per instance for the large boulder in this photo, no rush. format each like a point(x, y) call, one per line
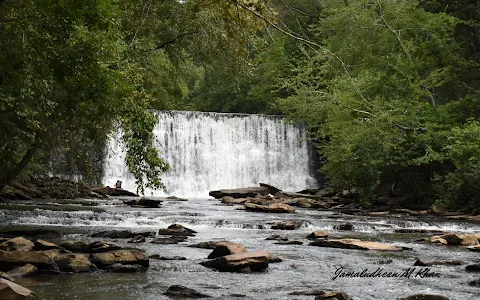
point(75, 246)
point(106, 190)
point(354, 244)
point(144, 202)
point(12, 291)
point(74, 262)
point(17, 244)
point(273, 208)
point(98, 247)
point(177, 229)
point(318, 234)
point(226, 248)
point(44, 245)
point(124, 257)
point(182, 292)
point(256, 260)
point(474, 248)
point(41, 259)
point(240, 193)
point(456, 239)
point(271, 189)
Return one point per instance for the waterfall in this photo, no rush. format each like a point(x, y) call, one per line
point(208, 151)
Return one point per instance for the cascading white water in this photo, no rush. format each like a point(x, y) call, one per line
point(208, 151)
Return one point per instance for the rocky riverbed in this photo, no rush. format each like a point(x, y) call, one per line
point(312, 252)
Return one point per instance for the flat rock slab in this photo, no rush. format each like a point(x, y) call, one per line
point(227, 248)
point(106, 190)
point(18, 243)
point(255, 260)
point(286, 225)
point(11, 290)
point(273, 208)
point(40, 259)
point(355, 244)
point(318, 234)
point(124, 257)
point(240, 193)
point(177, 230)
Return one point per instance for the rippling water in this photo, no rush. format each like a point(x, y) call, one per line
point(304, 267)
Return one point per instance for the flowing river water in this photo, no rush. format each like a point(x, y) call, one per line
point(303, 267)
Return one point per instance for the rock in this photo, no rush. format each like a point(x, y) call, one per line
point(473, 268)
point(273, 208)
point(346, 226)
point(474, 248)
point(137, 239)
point(180, 291)
point(177, 229)
point(169, 240)
point(271, 189)
point(207, 245)
point(240, 193)
point(318, 234)
point(226, 248)
point(106, 190)
point(278, 237)
point(6, 276)
point(272, 258)
point(114, 234)
point(23, 271)
point(124, 257)
point(35, 233)
point(474, 283)
point(469, 240)
point(425, 297)
point(231, 200)
point(41, 259)
point(297, 195)
point(457, 239)
point(158, 257)
point(354, 244)
point(332, 295)
point(98, 247)
point(286, 225)
point(74, 262)
point(75, 246)
point(12, 291)
point(44, 245)
point(414, 230)
point(17, 244)
point(119, 268)
point(424, 263)
point(438, 240)
point(144, 202)
point(289, 243)
point(256, 260)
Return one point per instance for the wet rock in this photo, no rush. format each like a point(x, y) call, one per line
point(137, 239)
point(106, 190)
point(23, 271)
point(124, 257)
point(414, 230)
point(74, 262)
point(473, 268)
point(240, 193)
point(6, 276)
point(12, 291)
point(384, 262)
point(226, 248)
point(346, 227)
point(174, 198)
point(278, 237)
point(144, 202)
point(231, 200)
point(318, 234)
point(44, 245)
point(180, 291)
point(119, 268)
point(159, 257)
point(474, 283)
point(41, 259)
point(114, 234)
point(17, 244)
point(271, 189)
point(332, 295)
point(456, 239)
point(355, 244)
point(286, 225)
point(425, 263)
point(474, 248)
point(169, 240)
point(273, 258)
point(207, 245)
point(425, 297)
point(260, 200)
point(273, 208)
point(98, 247)
point(75, 246)
point(177, 229)
point(256, 260)
point(289, 243)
